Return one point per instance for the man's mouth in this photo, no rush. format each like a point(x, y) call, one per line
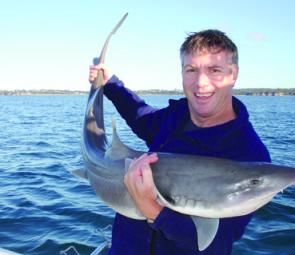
point(204, 95)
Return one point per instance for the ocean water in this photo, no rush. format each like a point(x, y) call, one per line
point(45, 210)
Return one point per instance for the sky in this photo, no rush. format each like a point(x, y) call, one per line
point(51, 44)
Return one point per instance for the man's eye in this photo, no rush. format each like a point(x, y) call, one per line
point(191, 70)
point(215, 70)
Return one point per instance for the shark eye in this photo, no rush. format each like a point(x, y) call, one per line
point(255, 182)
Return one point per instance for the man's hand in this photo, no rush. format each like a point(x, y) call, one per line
point(93, 72)
point(140, 184)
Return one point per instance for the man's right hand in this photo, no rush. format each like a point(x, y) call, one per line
point(93, 72)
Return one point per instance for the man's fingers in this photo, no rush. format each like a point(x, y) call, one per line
point(97, 67)
point(153, 158)
point(147, 176)
point(139, 175)
point(145, 158)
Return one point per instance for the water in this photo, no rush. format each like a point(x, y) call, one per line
point(45, 210)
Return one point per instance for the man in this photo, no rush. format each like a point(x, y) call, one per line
point(208, 122)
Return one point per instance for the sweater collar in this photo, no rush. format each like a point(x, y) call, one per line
point(239, 108)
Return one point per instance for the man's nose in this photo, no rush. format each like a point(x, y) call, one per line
point(202, 79)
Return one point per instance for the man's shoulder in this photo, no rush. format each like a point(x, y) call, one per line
point(248, 143)
point(174, 108)
point(174, 111)
point(178, 102)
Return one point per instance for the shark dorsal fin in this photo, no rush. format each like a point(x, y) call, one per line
point(117, 150)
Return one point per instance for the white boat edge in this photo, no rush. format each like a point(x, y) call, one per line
point(7, 252)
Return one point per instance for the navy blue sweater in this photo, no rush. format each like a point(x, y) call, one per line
point(163, 130)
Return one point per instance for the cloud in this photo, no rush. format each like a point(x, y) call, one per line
point(258, 36)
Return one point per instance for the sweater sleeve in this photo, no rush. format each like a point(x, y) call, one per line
point(141, 117)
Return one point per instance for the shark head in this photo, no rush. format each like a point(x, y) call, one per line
point(217, 188)
point(260, 183)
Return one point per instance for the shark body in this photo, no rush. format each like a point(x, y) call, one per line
point(205, 188)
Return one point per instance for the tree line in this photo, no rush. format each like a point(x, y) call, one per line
point(249, 92)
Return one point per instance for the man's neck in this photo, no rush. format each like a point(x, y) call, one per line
point(222, 117)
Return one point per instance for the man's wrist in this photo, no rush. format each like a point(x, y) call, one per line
point(156, 211)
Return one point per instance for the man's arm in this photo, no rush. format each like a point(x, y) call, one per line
point(138, 115)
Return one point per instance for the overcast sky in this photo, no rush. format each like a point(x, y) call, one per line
point(50, 44)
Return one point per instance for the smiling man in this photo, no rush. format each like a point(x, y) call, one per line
point(209, 71)
point(209, 121)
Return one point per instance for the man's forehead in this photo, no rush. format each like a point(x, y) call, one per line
point(218, 56)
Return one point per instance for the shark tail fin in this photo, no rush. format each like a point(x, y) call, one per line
point(117, 150)
point(80, 173)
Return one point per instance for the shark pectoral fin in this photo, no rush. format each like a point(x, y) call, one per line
point(80, 173)
point(127, 164)
point(206, 231)
point(206, 228)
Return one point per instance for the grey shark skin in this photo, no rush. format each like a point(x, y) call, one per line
point(205, 188)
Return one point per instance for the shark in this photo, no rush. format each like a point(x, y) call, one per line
point(205, 188)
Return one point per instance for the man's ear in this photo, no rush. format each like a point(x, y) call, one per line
point(234, 72)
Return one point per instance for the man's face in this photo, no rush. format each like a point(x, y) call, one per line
point(208, 79)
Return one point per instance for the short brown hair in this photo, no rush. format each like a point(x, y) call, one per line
point(209, 40)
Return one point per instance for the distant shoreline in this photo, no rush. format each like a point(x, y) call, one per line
point(247, 92)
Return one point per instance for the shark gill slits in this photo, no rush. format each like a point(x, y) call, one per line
point(191, 203)
point(182, 201)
